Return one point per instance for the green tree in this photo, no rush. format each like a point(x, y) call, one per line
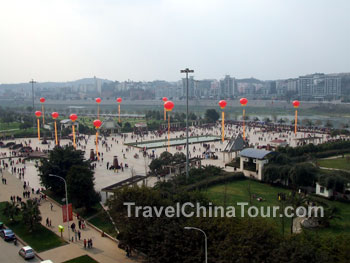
point(211, 115)
point(80, 184)
point(31, 214)
point(60, 161)
point(11, 210)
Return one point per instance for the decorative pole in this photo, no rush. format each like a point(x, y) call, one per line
point(73, 117)
point(55, 116)
point(222, 104)
point(296, 104)
point(98, 101)
point(38, 115)
point(165, 99)
point(243, 102)
point(119, 100)
point(97, 124)
point(42, 100)
point(168, 106)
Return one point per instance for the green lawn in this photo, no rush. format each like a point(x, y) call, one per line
point(238, 192)
point(102, 221)
point(40, 239)
point(82, 259)
point(338, 163)
point(9, 126)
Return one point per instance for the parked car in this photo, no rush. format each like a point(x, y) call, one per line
point(7, 234)
point(26, 252)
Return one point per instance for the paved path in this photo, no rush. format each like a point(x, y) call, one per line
point(104, 250)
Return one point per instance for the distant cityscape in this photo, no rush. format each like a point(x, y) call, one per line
point(312, 87)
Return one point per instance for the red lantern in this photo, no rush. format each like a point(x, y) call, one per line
point(54, 115)
point(42, 100)
point(296, 103)
point(73, 117)
point(165, 99)
point(222, 104)
point(169, 105)
point(243, 101)
point(98, 100)
point(119, 100)
point(97, 123)
point(38, 114)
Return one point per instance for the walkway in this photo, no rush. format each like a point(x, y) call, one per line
point(104, 250)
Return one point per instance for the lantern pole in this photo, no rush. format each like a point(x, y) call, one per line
point(43, 110)
point(296, 122)
point(56, 133)
point(243, 123)
point(98, 111)
point(73, 128)
point(168, 132)
point(38, 122)
point(118, 112)
point(187, 70)
point(223, 125)
point(98, 157)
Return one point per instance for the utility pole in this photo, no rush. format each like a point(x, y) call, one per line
point(187, 150)
point(32, 81)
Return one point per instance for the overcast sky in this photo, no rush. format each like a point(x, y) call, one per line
point(63, 40)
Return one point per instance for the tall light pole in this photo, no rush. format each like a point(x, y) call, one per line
point(32, 82)
point(65, 187)
point(187, 150)
point(205, 240)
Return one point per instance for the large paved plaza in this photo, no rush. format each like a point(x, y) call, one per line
point(114, 146)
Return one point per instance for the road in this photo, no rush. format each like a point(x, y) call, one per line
point(9, 253)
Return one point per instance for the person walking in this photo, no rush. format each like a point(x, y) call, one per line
point(79, 234)
point(84, 242)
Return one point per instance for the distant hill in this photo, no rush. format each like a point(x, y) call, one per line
point(250, 80)
point(74, 83)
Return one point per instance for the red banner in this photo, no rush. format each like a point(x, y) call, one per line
point(70, 212)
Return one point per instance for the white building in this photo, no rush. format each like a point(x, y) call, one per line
point(323, 191)
point(252, 162)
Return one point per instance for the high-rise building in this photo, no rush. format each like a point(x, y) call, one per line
point(227, 87)
point(190, 87)
point(319, 86)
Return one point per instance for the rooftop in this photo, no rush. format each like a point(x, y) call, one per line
point(254, 153)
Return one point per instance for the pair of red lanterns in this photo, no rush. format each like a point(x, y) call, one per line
point(98, 100)
point(222, 104)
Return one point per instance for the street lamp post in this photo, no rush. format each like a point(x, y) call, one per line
point(65, 187)
point(205, 240)
point(187, 150)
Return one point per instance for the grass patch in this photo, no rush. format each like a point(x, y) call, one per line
point(102, 221)
point(82, 259)
point(237, 191)
point(40, 239)
point(338, 163)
